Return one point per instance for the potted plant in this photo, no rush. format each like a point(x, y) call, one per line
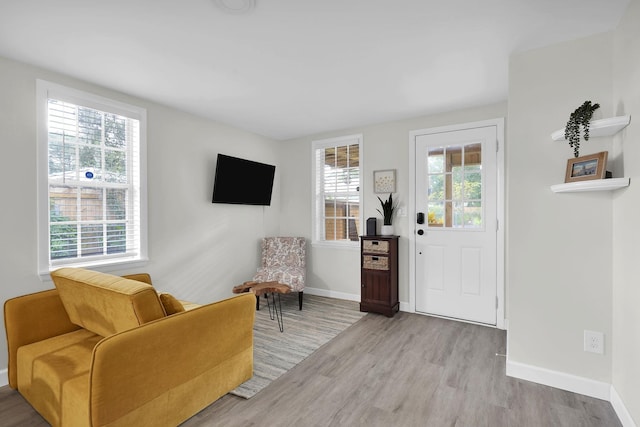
point(580, 117)
point(388, 208)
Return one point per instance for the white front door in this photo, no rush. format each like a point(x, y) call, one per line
point(456, 224)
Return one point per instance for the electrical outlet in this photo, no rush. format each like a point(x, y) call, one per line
point(594, 342)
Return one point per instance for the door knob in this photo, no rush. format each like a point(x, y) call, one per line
point(420, 232)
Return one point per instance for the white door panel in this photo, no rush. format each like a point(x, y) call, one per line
point(456, 190)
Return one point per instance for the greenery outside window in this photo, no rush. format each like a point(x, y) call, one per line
point(455, 187)
point(91, 184)
point(337, 205)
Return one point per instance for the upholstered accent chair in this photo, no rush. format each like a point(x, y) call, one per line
point(284, 261)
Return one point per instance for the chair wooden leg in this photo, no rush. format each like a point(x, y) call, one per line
point(258, 302)
point(300, 299)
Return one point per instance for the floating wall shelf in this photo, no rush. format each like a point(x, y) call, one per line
point(603, 127)
point(610, 184)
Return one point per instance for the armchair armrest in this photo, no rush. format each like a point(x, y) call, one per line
point(136, 373)
point(31, 318)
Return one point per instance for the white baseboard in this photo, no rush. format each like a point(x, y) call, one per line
point(573, 383)
point(404, 306)
point(332, 294)
point(621, 411)
point(4, 377)
point(561, 380)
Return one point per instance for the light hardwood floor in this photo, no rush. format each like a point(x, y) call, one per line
point(410, 370)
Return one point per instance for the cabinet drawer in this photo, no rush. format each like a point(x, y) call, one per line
point(376, 246)
point(372, 262)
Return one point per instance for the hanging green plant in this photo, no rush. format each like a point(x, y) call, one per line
point(580, 117)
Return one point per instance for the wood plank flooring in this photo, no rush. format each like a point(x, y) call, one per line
point(410, 370)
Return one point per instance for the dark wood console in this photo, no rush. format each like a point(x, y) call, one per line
point(379, 274)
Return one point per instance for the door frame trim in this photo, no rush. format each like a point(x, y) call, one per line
point(500, 209)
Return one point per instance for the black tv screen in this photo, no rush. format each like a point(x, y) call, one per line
point(242, 182)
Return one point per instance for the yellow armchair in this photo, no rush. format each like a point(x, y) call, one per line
point(157, 374)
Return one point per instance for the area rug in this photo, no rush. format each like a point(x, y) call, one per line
point(275, 352)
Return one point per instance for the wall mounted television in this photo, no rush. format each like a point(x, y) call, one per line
point(242, 182)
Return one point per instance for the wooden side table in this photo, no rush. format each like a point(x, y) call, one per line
point(266, 288)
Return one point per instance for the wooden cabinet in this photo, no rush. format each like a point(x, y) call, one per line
point(379, 274)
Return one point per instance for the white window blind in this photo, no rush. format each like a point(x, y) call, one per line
point(92, 203)
point(337, 206)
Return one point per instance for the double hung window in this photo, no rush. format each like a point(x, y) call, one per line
point(337, 205)
point(91, 179)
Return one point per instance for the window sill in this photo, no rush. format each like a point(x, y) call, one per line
point(353, 246)
point(104, 266)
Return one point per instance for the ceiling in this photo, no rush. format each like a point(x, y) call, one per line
point(290, 68)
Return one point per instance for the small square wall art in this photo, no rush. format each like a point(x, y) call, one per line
point(384, 181)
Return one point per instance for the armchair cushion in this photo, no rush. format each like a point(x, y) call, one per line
point(292, 276)
point(283, 252)
point(106, 304)
point(171, 304)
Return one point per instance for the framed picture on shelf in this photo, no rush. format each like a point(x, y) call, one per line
point(384, 181)
point(583, 168)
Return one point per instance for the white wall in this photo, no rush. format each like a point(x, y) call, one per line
point(386, 146)
point(559, 264)
point(572, 259)
point(626, 208)
point(197, 250)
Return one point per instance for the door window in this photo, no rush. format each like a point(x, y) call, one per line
point(454, 176)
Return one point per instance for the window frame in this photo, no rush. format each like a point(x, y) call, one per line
point(316, 221)
point(44, 91)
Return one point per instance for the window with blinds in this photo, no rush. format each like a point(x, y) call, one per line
point(94, 187)
point(337, 202)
